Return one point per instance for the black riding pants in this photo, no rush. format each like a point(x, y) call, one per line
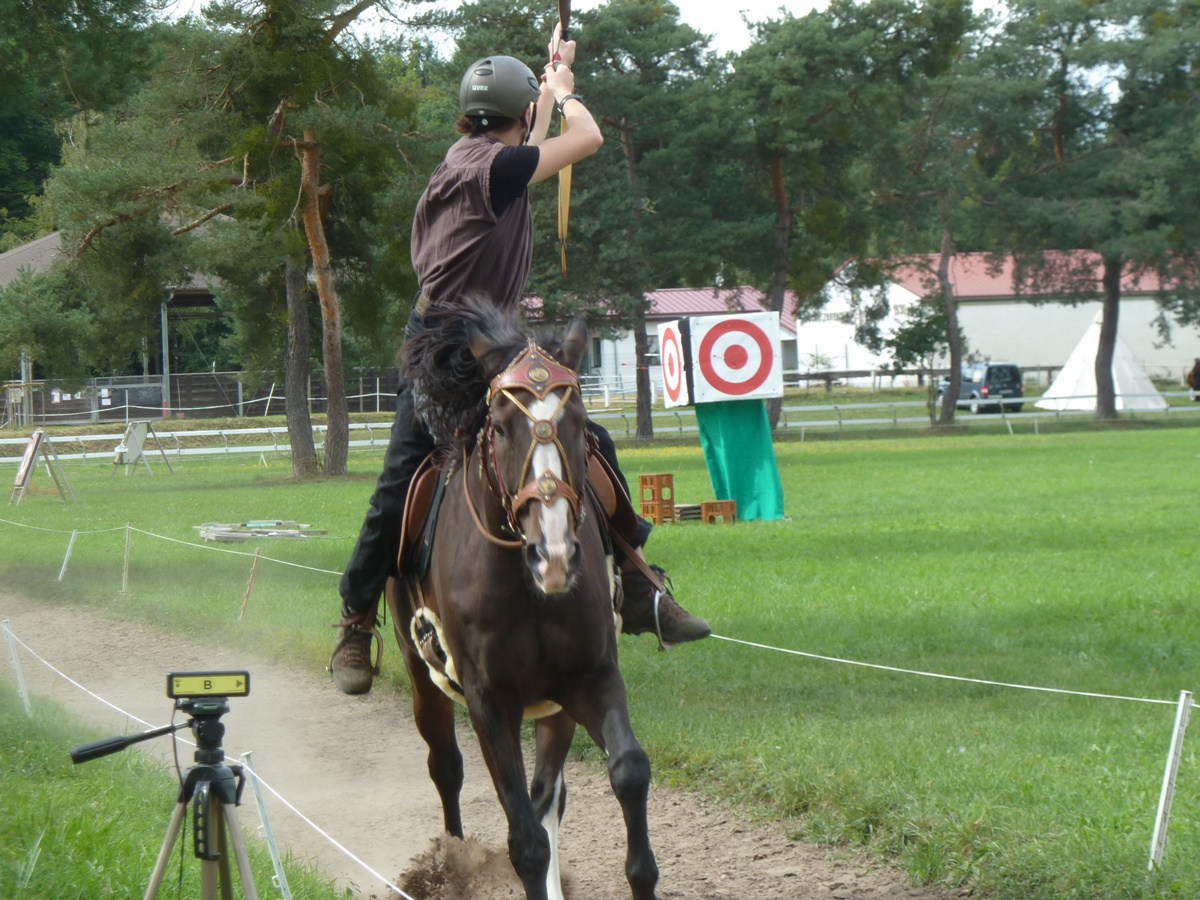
point(374, 557)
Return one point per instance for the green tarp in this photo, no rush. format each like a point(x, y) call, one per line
point(736, 438)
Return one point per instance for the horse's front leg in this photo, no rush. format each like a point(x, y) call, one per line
point(433, 713)
point(548, 790)
point(604, 713)
point(498, 726)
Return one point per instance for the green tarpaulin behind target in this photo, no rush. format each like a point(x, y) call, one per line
point(736, 438)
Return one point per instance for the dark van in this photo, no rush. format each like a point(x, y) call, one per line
point(987, 386)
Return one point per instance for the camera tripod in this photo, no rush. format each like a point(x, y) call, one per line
point(211, 788)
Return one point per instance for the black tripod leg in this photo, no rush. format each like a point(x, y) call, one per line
point(164, 855)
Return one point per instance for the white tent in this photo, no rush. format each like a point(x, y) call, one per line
point(1075, 385)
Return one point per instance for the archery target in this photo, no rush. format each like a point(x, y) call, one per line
point(736, 357)
point(670, 355)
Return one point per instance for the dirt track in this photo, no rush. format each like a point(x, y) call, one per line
point(356, 768)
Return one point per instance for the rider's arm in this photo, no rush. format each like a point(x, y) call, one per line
point(581, 137)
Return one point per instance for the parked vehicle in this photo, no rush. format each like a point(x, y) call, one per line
point(988, 386)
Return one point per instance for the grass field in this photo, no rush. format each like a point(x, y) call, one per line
point(1061, 560)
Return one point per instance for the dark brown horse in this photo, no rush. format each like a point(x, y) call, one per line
point(515, 617)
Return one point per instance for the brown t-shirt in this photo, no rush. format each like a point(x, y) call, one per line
point(459, 245)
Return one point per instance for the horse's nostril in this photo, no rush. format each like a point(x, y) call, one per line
point(535, 557)
point(576, 552)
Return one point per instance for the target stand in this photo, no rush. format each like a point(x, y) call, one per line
point(40, 444)
point(726, 366)
point(130, 451)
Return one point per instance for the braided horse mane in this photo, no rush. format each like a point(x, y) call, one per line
point(449, 385)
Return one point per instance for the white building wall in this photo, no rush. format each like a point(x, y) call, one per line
point(1045, 334)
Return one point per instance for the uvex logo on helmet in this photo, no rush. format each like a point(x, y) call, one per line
point(497, 86)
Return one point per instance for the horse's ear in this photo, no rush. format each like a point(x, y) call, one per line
point(574, 345)
point(490, 357)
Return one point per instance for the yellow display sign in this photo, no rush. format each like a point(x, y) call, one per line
point(208, 684)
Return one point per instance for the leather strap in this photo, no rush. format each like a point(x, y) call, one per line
point(640, 564)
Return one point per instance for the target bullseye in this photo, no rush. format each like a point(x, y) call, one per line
point(736, 357)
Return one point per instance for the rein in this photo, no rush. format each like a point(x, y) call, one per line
point(535, 373)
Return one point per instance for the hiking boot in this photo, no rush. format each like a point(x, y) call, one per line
point(671, 622)
point(351, 666)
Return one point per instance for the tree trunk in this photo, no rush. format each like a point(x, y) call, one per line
point(784, 220)
point(641, 341)
point(337, 434)
point(641, 349)
point(953, 335)
point(299, 423)
point(1106, 395)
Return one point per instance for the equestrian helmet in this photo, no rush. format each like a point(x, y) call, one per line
point(497, 86)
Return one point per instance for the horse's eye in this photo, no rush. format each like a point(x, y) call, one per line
point(498, 428)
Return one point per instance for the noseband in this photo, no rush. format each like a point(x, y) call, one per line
point(532, 372)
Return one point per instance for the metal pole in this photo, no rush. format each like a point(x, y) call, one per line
point(1158, 842)
point(26, 417)
point(166, 364)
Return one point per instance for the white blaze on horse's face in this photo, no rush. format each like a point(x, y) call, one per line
point(552, 561)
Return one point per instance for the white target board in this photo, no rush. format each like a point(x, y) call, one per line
point(736, 357)
point(670, 354)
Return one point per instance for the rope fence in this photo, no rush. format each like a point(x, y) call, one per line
point(1183, 705)
point(839, 417)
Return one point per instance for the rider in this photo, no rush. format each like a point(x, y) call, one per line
point(473, 233)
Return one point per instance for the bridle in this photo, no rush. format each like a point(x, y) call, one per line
point(532, 372)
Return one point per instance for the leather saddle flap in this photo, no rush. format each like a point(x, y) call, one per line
point(417, 520)
point(613, 498)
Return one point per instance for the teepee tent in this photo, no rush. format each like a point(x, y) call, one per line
point(1075, 385)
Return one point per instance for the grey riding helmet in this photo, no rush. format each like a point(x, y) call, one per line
point(497, 86)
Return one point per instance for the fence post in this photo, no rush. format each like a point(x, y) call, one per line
point(12, 646)
point(272, 845)
point(250, 584)
point(125, 568)
point(67, 558)
point(1158, 842)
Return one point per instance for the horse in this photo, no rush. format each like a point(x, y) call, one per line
point(515, 614)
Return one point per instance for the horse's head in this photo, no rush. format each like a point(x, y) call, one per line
point(534, 449)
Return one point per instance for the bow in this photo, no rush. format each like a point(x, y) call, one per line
point(564, 176)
